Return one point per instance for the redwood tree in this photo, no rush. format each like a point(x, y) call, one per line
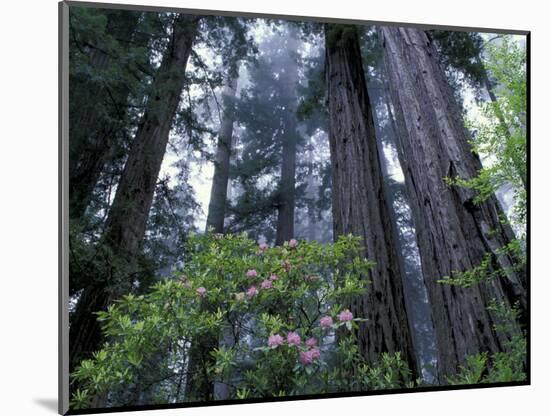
point(125, 226)
point(286, 198)
point(454, 233)
point(359, 206)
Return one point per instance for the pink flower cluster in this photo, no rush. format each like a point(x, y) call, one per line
point(311, 342)
point(312, 354)
point(263, 247)
point(345, 316)
point(201, 291)
point(275, 340)
point(326, 322)
point(293, 243)
point(266, 284)
point(307, 357)
point(293, 339)
point(252, 291)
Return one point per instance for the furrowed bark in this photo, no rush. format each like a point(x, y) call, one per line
point(359, 206)
point(453, 233)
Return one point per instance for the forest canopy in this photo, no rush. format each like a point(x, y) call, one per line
point(269, 208)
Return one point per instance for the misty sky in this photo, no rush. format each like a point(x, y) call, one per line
point(201, 173)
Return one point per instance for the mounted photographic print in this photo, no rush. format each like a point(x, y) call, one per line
point(262, 208)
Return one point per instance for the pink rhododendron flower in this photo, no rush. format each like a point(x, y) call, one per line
point(266, 284)
point(252, 273)
point(315, 353)
point(293, 339)
point(305, 357)
point(252, 291)
point(345, 316)
point(275, 340)
point(326, 322)
point(293, 243)
point(273, 276)
point(311, 342)
point(201, 291)
point(263, 246)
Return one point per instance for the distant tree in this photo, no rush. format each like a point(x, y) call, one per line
point(286, 194)
point(220, 181)
point(270, 139)
point(314, 203)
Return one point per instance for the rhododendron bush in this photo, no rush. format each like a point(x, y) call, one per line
point(279, 318)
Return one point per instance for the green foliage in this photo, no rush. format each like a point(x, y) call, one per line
point(501, 132)
point(312, 110)
point(489, 268)
point(355, 374)
point(460, 51)
point(499, 367)
point(472, 371)
point(266, 113)
point(152, 333)
point(508, 365)
point(114, 56)
point(338, 35)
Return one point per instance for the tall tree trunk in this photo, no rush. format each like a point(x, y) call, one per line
point(93, 133)
point(311, 231)
point(220, 181)
point(128, 215)
point(199, 358)
point(414, 289)
point(359, 206)
point(452, 232)
point(287, 187)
